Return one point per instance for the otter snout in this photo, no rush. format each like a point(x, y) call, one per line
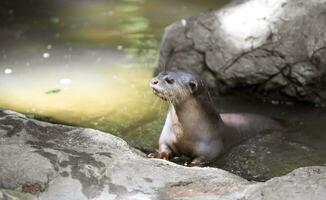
point(155, 85)
point(158, 86)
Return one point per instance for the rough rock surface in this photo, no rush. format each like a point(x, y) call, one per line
point(48, 161)
point(274, 49)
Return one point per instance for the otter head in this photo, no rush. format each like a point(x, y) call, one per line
point(175, 87)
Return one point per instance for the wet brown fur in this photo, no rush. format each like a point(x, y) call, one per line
point(193, 126)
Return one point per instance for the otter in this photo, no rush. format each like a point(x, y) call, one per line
point(193, 126)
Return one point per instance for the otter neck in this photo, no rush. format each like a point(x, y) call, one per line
point(191, 110)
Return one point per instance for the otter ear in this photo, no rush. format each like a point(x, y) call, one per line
point(193, 86)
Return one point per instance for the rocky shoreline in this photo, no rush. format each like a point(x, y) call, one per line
point(47, 161)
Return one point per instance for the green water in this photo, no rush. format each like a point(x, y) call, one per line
point(88, 63)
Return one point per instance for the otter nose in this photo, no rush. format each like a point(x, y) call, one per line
point(154, 81)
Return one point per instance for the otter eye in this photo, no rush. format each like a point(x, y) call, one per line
point(169, 80)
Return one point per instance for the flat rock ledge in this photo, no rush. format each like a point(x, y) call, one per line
point(44, 161)
point(273, 49)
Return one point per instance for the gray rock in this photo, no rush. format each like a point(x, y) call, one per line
point(49, 161)
point(274, 49)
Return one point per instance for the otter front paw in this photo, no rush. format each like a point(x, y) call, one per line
point(197, 162)
point(160, 155)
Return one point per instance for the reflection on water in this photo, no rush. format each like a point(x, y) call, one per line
point(91, 89)
point(88, 63)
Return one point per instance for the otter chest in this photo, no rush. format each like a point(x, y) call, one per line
point(178, 130)
point(183, 144)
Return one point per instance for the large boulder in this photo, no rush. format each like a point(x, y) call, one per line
point(275, 49)
point(46, 161)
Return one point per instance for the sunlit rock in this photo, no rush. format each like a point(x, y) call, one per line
point(49, 161)
point(273, 49)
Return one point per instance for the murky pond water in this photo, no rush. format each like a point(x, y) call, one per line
point(88, 63)
point(276, 153)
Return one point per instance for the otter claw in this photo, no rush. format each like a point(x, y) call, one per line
point(196, 163)
point(153, 155)
point(163, 155)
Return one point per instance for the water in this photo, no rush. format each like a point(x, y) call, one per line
point(88, 63)
point(277, 153)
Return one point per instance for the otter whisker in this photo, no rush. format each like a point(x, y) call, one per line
point(160, 106)
point(171, 100)
point(156, 101)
